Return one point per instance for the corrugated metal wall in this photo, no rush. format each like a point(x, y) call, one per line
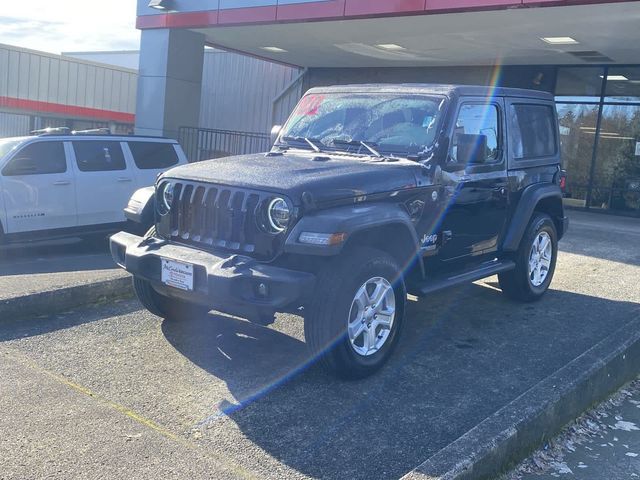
point(14, 125)
point(41, 77)
point(238, 92)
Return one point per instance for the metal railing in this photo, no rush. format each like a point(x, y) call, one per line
point(204, 143)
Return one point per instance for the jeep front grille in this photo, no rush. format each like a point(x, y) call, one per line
point(214, 216)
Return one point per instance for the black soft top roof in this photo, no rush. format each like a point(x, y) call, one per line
point(437, 89)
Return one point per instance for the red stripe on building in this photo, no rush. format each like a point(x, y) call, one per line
point(247, 15)
point(339, 9)
point(67, 110)
point(330, 9)
point(366, 7)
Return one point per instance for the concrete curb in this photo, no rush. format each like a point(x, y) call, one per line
point(509, 435)
point(65, 299)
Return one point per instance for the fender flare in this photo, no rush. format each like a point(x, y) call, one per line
point(350, 220)
point(531, 197)
point(141, 206)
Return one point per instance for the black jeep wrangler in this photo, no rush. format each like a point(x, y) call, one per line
point(369, 193)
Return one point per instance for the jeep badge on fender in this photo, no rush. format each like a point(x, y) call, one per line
point(370, 192)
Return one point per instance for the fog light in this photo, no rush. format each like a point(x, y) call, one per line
point(327, 239)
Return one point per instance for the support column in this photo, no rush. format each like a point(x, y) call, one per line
point(169, 82)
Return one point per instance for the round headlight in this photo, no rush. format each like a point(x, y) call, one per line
point(279, 215)
point(166, 198)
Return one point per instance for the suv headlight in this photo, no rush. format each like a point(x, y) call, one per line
point(165, 198)
point(278, 215)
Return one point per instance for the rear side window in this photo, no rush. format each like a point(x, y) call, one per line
point(533, 131)
point(152, 156)
point(99, 156)
point(40, 158)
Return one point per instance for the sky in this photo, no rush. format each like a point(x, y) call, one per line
point(57, 26)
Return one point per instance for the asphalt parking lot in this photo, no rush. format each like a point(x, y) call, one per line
point(50, 265)
point(114, 392)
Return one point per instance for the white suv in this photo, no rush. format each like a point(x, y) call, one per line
point(63, 183)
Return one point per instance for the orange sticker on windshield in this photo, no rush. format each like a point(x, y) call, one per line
point(310, 105)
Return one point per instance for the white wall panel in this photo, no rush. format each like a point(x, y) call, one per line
point(43, 80)
point(4, 71)
point(238, 91)
point(30, 75)
point(13, 125)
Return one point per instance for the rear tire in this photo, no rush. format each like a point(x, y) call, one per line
point(161, 305)
point(535, 262)
point(356, 315)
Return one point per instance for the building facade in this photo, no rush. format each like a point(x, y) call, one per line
point(238, 92)
point(584, 51)
point(39, 90)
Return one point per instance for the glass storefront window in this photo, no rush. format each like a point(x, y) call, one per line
point(579, 84)
point(616, 182)
point(623, 85)
point(577, 138)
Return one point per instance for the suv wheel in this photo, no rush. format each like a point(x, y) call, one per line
point(535, 261)
point(356, 315)
point(161, 305)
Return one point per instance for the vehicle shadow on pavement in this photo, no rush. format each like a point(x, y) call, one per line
point(69, 255)
point(465, 353)
point(15, 329)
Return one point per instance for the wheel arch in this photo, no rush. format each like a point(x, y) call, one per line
point(384, 226)
point(396, 239)
point(541, 198)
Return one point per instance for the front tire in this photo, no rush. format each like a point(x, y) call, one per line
point(166, 307)
point(356, 315)
point(535, 262)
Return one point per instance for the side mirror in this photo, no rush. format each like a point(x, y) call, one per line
point(471, 149)
point(275, 133)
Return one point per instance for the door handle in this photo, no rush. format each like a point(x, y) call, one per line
point(62, 182)
point(502, 191)
point(125, 179)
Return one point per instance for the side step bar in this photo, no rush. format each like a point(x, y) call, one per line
point(486, 270)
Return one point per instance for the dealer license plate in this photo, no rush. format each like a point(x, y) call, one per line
point(177, 275)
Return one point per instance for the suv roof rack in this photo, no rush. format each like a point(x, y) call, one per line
point(51, 131)
point(92, 131)
point(66, 131)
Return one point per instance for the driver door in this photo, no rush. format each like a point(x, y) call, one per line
point(475, 180)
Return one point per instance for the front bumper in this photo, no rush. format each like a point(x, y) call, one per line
point(228, 284)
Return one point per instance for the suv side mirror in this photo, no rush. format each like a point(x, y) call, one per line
point(471, 149)
point(275, 133)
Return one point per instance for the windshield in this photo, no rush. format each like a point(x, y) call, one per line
point(8, 144)
point(391, 123)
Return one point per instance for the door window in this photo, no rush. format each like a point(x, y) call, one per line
point(39, 158)
point(99, 156)
point(533, 131)
point(153, 156)
point(476, 139)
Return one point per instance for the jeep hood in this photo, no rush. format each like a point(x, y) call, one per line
point(292, 174)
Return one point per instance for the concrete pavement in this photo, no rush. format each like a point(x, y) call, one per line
point(602, 444)
point(47, 266)
point(244, 398)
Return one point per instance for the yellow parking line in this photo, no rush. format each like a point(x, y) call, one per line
point(236, 469)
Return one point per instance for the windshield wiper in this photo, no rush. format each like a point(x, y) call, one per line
point(360, 143)
point(312, 142)
point(371, 149)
